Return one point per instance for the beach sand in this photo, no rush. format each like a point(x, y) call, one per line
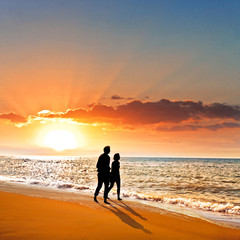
point(27, 217)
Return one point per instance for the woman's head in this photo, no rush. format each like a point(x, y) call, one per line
point(116, 156)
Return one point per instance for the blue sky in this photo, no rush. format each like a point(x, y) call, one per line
point(192, 45)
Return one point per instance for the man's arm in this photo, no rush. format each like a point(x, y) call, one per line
point(99, 162)
point(109, 163)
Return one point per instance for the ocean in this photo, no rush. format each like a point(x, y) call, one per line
point(206, 188)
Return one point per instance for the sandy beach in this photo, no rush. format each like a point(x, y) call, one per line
point(28, 217)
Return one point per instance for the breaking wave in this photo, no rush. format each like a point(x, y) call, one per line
point(188, 202)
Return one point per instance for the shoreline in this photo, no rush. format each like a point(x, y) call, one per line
point(64, 215)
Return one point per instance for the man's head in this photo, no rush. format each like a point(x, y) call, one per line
point(106, 150)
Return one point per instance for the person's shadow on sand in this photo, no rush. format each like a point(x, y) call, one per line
point(126, 219)
point(125, 206)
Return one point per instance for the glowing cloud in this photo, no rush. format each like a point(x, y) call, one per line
point(145, 113)
point(13, 117)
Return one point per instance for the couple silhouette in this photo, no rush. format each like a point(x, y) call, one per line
point(105, 176)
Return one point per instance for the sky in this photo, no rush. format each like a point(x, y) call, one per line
point(149, 78)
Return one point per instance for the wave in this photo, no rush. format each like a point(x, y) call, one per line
point(59, 185)
point(188, 202)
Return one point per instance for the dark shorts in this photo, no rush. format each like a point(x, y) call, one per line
point(114, 179)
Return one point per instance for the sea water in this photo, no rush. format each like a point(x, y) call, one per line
point(204, 187)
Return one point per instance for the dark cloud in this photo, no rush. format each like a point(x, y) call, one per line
point(218, 110)
point(178, 128)
point(195, 127)
point(164, 111)
point(117, 97)
point(222, 125)
point(13, 117)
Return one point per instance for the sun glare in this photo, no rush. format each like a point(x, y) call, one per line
point(60, 140)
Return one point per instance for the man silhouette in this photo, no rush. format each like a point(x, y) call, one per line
point(103, 174)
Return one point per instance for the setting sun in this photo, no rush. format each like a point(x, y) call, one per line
point(60, 140)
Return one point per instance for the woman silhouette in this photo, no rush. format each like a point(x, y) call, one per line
point(115, 174)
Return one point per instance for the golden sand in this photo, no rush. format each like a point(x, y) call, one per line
point(26, 217)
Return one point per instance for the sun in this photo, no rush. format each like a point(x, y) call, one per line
point(60, 140)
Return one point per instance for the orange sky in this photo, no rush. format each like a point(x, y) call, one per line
point(131, 130)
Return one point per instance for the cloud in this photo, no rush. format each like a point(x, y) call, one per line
point(175, 111)
point(163, 111)
point(13, 117)
point(223, 125)
point(117, 97)
point(178, 128)
point(218, 110)
point(138, 112)
point(196, 127)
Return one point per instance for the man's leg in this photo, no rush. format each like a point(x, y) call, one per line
point(106, 184)
point(99, 186)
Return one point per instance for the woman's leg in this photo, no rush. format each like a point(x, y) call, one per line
point(118, 188)
point(111, 185)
